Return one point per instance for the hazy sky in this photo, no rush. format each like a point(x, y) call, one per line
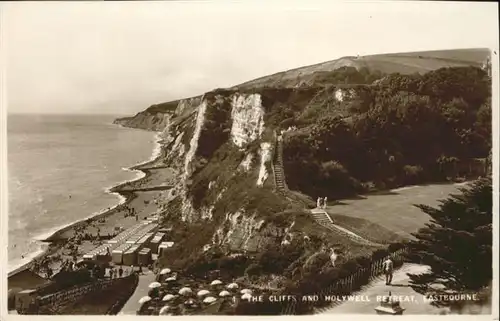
point(110, 57)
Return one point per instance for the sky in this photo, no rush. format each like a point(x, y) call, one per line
point(121, 57)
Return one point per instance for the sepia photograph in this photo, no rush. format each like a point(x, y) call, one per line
point(186, 158)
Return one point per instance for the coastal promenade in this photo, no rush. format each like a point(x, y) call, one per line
point(400, 287)
point(132, 305)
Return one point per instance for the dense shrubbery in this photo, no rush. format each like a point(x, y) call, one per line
point(417, 129)
point(460, 254)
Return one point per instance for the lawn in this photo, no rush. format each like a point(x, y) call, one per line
point(392, 210)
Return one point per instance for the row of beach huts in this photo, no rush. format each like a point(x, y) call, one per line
point(138, 245)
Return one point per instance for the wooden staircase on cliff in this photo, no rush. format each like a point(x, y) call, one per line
point(323, 219)
point(279, 172)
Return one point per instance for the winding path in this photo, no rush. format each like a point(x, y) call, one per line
point(142, 289)
point(413, 302)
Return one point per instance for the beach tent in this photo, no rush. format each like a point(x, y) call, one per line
point(203, 292)
point(154, 285)
point(232, 286)
point(144, 299)
point(224, 293)
point(168, 297)
point(246, 291)
point(185, 291)
point(216, 282)
point(209, 300)
point(164, 310)
point(165, 271)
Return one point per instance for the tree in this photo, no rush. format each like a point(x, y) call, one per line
point(457, 243)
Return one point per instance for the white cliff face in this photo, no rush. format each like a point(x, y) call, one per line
point(247, 162)
point(193, 145)
point(248, 119)
point(339, 95)
point(187, 210)
point(333, 257)
point(265, 157)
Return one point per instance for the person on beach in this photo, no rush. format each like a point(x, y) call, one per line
point(111, 273)
point(140, 269)
point(388, 270)
point(325, 200)
point(120, 271)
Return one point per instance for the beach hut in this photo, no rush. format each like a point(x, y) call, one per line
point(144, 299)
point(145, 239)
point(89, 257)
point(154, 285)
point(144, 257)
point(130, 255)
point(164, 246)
point(203, 293)
point(224, 294)
point(155, 242)
point(209, 300)
point(168, 297)
point(117, 254)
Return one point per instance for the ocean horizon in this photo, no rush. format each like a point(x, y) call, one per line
point(60, 170)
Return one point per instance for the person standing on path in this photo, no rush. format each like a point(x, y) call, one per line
point(325, 200)
point(120, 271)
point(388, 270)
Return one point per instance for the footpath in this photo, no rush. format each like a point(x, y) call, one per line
point(400, 287)
point(142, 289)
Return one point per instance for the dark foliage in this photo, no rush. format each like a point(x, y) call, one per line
point(457, 244)
point(417, 129)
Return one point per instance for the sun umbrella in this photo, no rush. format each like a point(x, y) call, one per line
point(144, 299)
point(216, 282)
point(165, 271)
point(209, 299)
point(224, 293)
point(168, 297)
point(246, 296)
point(232, 286)
point(246, 291)
point(170, 279)
point(164, 310)
point(203, 292)
point(154, 285)
point(185, 291)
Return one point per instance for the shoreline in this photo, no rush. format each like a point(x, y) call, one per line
point(124, 198)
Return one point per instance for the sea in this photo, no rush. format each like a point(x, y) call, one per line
point(60, 168)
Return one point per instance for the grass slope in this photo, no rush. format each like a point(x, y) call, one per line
point(404, 63)
point(392, 210)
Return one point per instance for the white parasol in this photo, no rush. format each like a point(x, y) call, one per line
point(209, 300)
point(185, 291)
point(224, 293)
point(203, 292)
point(168, 297)
point(144, 299)
point(154, 285)
point(165, 271)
